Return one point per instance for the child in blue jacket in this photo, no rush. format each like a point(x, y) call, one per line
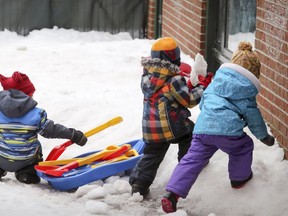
point(20, 122)
point(227, 106)
point(166, 103)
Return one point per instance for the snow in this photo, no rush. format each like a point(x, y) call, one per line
point(84, 79)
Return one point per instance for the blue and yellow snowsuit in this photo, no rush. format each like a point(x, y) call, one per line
point(20, 122)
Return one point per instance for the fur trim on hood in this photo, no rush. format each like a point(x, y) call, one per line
point(158, 63)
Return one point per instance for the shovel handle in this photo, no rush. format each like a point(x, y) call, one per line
point(127, 155)
point(58, 150)
point(75, 164)
point(112, 122)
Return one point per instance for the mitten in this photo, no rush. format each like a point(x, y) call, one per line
point(205, 81)
point(185, 69)
point(199, 68)
point(268, 140)
point(189, 84)
point(78, 137)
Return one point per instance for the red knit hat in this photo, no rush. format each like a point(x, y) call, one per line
point(18, 81)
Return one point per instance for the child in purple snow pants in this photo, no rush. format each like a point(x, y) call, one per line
point(227, 106)
point(203, 148)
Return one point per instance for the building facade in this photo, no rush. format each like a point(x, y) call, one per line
point(214, 28)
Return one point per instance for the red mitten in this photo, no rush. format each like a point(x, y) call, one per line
point(189, 84)
point(185, 69)
point(205, 81)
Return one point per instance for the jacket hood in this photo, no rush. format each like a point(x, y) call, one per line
point(156, 73)
point(15, 103)
point(234, 82)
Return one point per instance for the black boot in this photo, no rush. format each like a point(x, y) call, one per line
point(2, 173)
point(28, 178)
point(137, 188)
point(240, 184)
point(27, 175)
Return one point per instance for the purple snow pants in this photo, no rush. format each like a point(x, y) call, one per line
point(239, 149)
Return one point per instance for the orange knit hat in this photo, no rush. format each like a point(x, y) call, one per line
point(166, 48)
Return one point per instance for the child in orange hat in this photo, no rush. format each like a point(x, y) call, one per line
point(20, 122)
point(166, 103)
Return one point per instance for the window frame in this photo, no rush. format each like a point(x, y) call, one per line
point(217, 34)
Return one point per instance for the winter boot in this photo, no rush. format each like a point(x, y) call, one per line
point(169, 202)
point(137, 188)
point(27, 175)
point(27, 178)
point(240, 184)
point(2, 173)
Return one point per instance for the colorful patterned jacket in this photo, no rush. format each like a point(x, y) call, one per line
point(20, 122)
point(166, 101)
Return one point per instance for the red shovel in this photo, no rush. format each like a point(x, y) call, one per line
point(58, 150)
point(59, 171)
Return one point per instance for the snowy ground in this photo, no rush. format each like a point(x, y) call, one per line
point(84, 79)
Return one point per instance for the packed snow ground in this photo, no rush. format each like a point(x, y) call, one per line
point(84, 79)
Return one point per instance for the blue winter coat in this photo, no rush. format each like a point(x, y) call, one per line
point(20, 123)
point(229, 104)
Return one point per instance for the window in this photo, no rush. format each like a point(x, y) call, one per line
point(229, 22)
point(241, 23)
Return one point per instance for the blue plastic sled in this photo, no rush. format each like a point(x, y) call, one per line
point(86, 174)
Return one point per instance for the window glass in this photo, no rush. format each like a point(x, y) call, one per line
point(241, 23)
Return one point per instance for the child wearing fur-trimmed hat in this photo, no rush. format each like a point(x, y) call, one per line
point(227, 106)
point(167, 99)
point(20, 122)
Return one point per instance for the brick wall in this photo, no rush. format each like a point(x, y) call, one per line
point(151, 19)
point(271, 43)
point(185, 20)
